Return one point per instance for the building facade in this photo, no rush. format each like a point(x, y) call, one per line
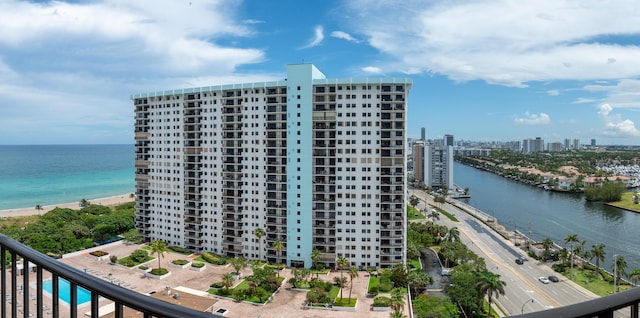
point(316, 163)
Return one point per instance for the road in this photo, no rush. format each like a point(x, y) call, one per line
point(523, 291)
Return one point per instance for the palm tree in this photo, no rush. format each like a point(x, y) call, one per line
point(38, 207)
point(547, 243)
point(414, 200)
point(278, 247)
point(597, 250)
point(84, 203)
point(571, 240)
point(340, 282)
point(397, 314)
point(634, 275)
point(397, 299)
point(453, 235)
point(434, 215)
point(620, 267)
point(315, 258)
point(259, 233)
point(490, 284)
point(342, 263)
point(158, 248)
point(353, 273)
point(238, 264)
point(227, 280)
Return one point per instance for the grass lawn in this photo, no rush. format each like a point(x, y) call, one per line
point(322, 272)
point(374, 281)
point(128, 262)
point(445, 213)
point(626, 202)
point(333, 293)
point(597, 286)
point(345, 302)
point(414, 214)
point(415, 264)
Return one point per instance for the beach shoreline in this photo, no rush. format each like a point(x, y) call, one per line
point(108, 201)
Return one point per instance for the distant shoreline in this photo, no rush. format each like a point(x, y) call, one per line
point(108, 201)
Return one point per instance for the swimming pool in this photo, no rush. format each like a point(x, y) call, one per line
point(64, 290)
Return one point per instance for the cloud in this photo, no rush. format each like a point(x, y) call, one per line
point(614, 125)
point(372, 69)
point(537, 41)
point(622, 94)
point(533, 119)
point(344, 36)
point(553, 92)
point(318, 36)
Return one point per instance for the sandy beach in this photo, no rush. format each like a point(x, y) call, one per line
point(109, 201)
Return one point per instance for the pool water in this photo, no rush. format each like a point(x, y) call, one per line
point(64, 290)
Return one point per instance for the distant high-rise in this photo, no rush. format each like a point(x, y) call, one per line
point(418, 162)
point(567, 144)
point(448, 140)
point(438, 165)
point(532, 145)
point(423, 134)
point(593, 142)
point(576, 144)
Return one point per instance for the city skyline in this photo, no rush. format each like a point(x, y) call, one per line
point(551, 69)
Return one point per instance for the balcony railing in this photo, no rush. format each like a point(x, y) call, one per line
point(122, 297)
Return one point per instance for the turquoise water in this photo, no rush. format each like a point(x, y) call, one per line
point(64, 290)
point(56, 174)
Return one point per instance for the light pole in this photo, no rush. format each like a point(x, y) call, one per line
point(615, 273)
point(522, 310)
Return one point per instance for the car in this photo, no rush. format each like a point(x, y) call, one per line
point(519, 261)
point(553, 279)
point(543, 280)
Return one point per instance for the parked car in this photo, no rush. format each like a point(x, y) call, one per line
point(543, 280)
point(519, 261)
point(554, 279)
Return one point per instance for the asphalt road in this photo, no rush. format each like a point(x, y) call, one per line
point(523, 292)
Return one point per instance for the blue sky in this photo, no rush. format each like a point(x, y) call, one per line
point(481, 70)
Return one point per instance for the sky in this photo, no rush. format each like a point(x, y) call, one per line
point(494, 70)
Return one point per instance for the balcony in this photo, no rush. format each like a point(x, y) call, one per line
point(23, 303)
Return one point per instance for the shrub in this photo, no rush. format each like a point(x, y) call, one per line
point(159, 271)
point(373, 290)
point(224, 292)
point(382, 301)
point(113, 258)
point(180, 262)
point(385, 286)
point(99, 253)
point(213, 259)
point(197, 264)
point(180, 250)
point(139, 256)
point(127, 262)
point(143, 267)
point(217, 285)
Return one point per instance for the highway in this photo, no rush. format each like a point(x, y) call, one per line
point(523, 292)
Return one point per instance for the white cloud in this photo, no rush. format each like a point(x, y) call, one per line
point(623, 94)
point(533, 119)
point(318, 36)
point(614, 125)
point(553, 92)
point(372, 69)
point(536, 41)
point(344, 36)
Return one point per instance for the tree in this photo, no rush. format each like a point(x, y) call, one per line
point(571, 240)
point(227, 280)
point(278, 247)
point(414, 200)
point(432, 306)
point(453, 235)
point(434, 215)
point(490, 284)
point(340, 282)
point(238, 264)
point(315, 258)
point(259, 233)
point(397, 314)
point(353, 273)
point(342, 263)
point(597, 250)
point(466, 191)
point(38, 207)
point(547, 244)
point(418, 280)
point(84, 203)
point(634, 275)
point(619, 267)
point(132, 236)
point(158, 248)
point(397, 299)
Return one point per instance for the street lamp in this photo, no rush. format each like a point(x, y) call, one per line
point(615, 273)
point(522, 310)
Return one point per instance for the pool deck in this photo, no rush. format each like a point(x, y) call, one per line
point(285, 303)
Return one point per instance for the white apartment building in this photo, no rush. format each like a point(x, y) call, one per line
point(316, 163)
point(433, 164)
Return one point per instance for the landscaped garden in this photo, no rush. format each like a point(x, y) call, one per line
point(212, 259)
point(256, 288)
point(136, 257)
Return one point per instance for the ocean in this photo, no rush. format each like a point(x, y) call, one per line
point(56, 174)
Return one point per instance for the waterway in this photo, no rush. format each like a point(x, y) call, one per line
point(555, 215)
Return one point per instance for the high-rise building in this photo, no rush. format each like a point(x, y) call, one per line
point(423, 134)
point(316, 163)
point(418, 162)
point(438, 165)
point(448, 140)
point(567, 144)
point(593, 142)
point(576, 144)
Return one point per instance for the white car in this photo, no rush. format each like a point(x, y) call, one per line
point(543, 280)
